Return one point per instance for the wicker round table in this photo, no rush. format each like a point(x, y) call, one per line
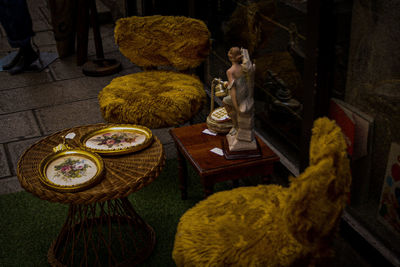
point(102, 227)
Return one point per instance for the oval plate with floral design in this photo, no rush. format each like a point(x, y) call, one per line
point(71, 170)
point(117, 139)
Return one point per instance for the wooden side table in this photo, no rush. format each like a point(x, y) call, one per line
point(195, 146)
point(102, 227)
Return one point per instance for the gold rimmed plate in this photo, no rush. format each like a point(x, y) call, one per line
point(71, 170)
point(117, 139)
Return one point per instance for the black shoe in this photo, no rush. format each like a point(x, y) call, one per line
point(13, 62)
point(28, 56)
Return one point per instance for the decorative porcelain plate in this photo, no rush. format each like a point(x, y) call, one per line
point(116, 140)
point(71, 170)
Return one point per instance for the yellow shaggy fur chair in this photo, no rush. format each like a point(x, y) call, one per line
point(270, 225)
point(157, 98)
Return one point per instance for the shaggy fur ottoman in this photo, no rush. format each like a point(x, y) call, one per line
point(152, 41)
point(154, 99)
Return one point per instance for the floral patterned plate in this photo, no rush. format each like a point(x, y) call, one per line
point(117, 139)
point(71, 170)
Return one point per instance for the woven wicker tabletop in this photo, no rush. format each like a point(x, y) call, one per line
point(124, 174)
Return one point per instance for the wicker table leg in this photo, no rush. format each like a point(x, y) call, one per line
point(109, 233)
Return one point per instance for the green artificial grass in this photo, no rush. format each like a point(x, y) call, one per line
point(28, 224)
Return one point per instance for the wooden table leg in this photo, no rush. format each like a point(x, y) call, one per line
point(267, 175)
point(235, 183)
point(208, 190)
point(96, 30)
point(266, 179)
point(182, 176)
point(82, 32)
point(208, 185)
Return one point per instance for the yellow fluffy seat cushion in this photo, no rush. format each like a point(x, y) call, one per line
point(153, 98)
point(163, 40)
point(271, 225)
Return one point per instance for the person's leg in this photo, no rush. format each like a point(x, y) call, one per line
point(17, 23)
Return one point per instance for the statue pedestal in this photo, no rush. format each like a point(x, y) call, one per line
point(244, 154)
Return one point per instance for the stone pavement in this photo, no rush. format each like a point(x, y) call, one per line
point(34, 105)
